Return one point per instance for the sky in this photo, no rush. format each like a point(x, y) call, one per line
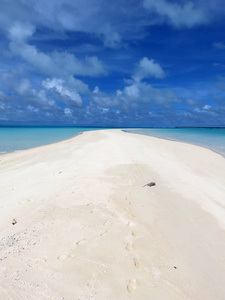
point(121, 63)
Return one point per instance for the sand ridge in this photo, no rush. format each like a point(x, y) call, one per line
point(87, 228)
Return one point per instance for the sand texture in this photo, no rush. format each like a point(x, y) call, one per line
point(77, 220)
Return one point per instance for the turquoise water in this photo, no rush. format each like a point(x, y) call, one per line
point(20, 138)
point(213, 139)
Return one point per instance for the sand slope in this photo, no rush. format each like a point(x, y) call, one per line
point(88, 229)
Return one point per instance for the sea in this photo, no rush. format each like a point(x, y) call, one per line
point(211, 138)
point(20, 138)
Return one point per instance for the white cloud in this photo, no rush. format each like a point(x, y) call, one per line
point(141, 92)
point(96, 90)
point(59, 89)
point(20, 32)
point(68, 112)
point(102, 99)
point(132, 91)
point(23, 90)
point(76, 84)
point(94, 17)
point(206, 107)
point(54, 63)
point(175, 13)
point(111, 21)
point(135, 93)
point(148, 68)
point(32, 108)
point(111, 38)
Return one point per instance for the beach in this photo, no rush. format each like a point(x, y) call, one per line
point(87, 227)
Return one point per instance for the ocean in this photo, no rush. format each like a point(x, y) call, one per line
point(20, 138)
point(213, 139)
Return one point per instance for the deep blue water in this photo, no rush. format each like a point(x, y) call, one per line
point(20, 138)
point(213, 139)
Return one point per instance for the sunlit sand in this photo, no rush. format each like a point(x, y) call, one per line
point(88, 226)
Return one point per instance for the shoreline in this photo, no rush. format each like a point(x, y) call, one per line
point(186, 142)
point(87, 228)
point(126, 130)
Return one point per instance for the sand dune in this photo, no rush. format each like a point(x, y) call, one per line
point(87, 227)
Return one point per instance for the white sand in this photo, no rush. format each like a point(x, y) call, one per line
point(88, 229)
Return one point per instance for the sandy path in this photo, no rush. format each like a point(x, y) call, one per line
point(88, 229)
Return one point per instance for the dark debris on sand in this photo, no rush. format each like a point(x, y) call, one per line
point(150, 184)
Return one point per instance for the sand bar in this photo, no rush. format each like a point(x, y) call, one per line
point(86, 228)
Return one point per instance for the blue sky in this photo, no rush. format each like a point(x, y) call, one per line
point(112, 63)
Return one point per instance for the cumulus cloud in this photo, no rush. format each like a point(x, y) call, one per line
point(207, 107)
point(177, 14)
point(35, 28)
point(141, 92)
point(112, 39)
point(58, 88)
point(20, 92)
point(103, 99)
point(112, 22)
point(93, 17)
point(205, 110)
point(135, 94)
point(148, 68)
point(136, 91)
point(68, 112)
point(54, 63)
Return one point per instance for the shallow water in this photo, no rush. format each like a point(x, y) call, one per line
point(213, 139)
point(20, 138)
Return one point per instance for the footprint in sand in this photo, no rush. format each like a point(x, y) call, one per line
point(137, 263)
point(65, 256)
point(81, 242)
point(62, 257)
point(129, 247)
point(134, 234)
point(104, 233)
point(130, 224)
point(131, 286)
point(23, 202)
